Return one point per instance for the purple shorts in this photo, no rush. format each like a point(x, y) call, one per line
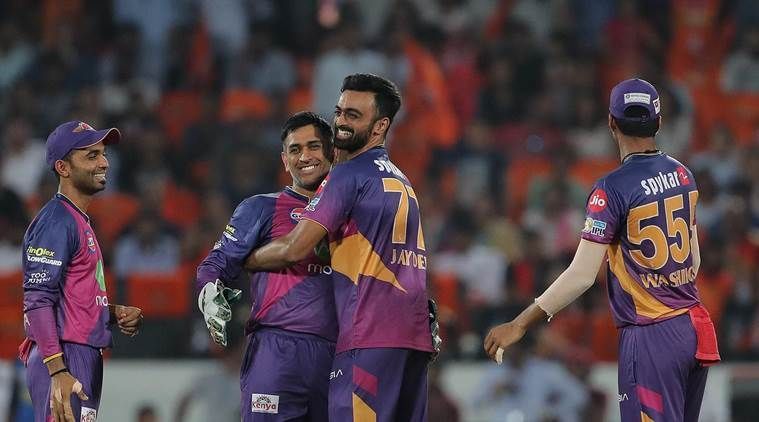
point(85, 363)
point(285, 376)
point(379, 384)
point(659, 377)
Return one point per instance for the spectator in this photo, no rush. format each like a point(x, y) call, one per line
point(150, 248)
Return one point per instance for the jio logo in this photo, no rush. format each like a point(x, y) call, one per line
point(598, 201)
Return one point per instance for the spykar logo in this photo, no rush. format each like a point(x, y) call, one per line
point(264, 403)
point(683, 176)
point(597, 201)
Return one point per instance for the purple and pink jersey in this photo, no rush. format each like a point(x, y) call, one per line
point(645, 211)
point(299, 298)
point(379, 261)
point(63, 270)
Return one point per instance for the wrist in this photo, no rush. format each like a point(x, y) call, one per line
point(55, 364)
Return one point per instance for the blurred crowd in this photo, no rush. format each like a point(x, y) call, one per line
point(502, 132)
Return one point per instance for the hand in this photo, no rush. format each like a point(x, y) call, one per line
point(62, 385)
point(501, 337)
point(214, 302)
point(129, 319)
point(437, 341)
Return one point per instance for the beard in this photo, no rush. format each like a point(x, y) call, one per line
point(357, 140)
point(83, 182)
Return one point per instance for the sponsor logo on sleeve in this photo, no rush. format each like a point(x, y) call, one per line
point(264, 403)
point(314, 202)
point(40, 277)
point(42, 256)
point(597, 201)
point(229, 233)
point(594, 227)
point(88, 414)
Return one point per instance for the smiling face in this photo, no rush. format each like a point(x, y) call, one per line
point(304, 158)
point(85, 169)
point(355, 122)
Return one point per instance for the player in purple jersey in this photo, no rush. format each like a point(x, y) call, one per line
point(292, 326)
point(643, 217)
point(368, 211)
point(66, 309)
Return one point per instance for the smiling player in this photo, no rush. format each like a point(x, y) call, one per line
point(292, 327)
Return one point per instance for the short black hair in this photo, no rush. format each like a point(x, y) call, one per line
point(387, 97)
point(305, 118)
point(637, 122)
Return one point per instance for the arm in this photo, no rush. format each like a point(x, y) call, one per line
point(287, 250)
point(694, 250)
point(128, 318)
point(572, 283)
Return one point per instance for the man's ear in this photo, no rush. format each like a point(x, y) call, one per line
point(63, 168)
point(380, 126)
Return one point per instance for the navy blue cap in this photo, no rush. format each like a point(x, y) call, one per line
point(634, 92)
point(76, 135)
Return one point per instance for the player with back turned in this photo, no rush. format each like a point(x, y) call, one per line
point(67, 316)
point(292, 326)
point(369, 212)
point(643, 216)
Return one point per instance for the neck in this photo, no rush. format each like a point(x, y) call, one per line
point(630, 145)
point(303, 191)
point(81, 200)
point(369, 145)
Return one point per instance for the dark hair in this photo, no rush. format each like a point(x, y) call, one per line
point(637, 122)
point(387, 98)
point(305, 118)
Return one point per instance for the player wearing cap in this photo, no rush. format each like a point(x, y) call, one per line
point(643, 216)
point(67, 316)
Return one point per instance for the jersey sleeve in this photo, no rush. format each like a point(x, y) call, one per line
point(49, 246)
point(333, 201)
point(246, 230)
point(604, 214)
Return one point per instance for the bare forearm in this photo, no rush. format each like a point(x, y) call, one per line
point(273, 256)
point(530, 316)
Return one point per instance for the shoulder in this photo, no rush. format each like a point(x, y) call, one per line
point(54, 214)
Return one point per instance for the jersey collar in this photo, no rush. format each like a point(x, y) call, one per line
point(65, 198)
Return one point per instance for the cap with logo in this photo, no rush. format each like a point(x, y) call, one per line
point(634, 92)
point(76, 135)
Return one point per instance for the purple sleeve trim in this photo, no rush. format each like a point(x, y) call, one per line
point(43, 330)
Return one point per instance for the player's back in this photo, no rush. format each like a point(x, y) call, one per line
point(378, 254)
point(645, 211)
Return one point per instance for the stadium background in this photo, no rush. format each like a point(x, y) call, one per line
point(502, 131)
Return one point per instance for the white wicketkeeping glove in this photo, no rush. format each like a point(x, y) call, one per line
point(214, 302)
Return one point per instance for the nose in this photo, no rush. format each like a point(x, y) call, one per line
point(103, 162)
point(339, 119)
point(305, 155)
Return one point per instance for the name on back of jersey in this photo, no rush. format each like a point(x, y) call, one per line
point(665, 181)
point(673, 279)
point(388, 167)
point(409, 258)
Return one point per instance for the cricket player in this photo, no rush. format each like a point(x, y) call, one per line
point(67, 316)
point(643, 217)
point(370, 214)
point(293, 325)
